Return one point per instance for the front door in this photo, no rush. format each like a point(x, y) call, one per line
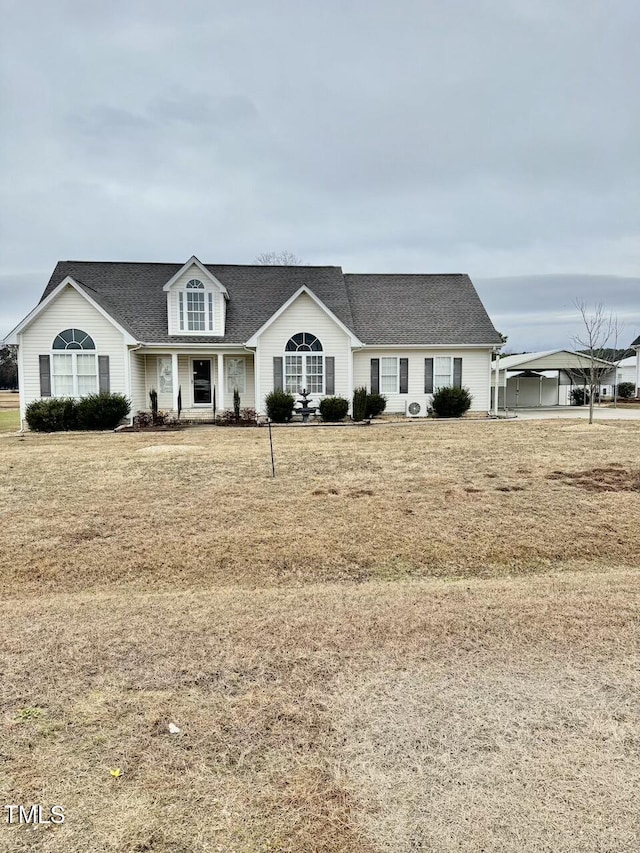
point(202, 382)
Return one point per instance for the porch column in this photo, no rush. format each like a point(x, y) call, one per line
point(220, 383)
point(175, 381)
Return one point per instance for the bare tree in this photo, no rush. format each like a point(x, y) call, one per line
point(598, 330)
point(279, 259)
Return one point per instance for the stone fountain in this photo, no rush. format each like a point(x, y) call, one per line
point(305, 409)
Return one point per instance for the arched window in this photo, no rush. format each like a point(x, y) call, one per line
point(198, 316)
point(73, 339)
point(304, 364)
point(74, 372)
point(303, 342)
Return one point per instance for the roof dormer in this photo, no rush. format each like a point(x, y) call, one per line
point(196, 301)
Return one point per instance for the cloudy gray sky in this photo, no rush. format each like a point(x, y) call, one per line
point(495, 137)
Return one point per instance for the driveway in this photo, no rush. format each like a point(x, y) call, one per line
point(600, 413)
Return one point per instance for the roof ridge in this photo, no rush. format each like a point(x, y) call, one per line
point(209, 264)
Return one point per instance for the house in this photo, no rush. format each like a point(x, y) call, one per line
point(627, 371)
point(196, 332)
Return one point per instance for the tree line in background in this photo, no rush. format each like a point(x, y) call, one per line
point(8, 367)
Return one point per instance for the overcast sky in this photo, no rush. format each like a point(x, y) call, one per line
point(494, 137)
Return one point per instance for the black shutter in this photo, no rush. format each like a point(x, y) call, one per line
point(457, 373)
point(104, 384)
point(277, 373)
point(404, 375)
point(330, 369)
point(428, 376)
point(45, 376)
point(375, 375)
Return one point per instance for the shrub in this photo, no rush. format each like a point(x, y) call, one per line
point(96, 411)
point(142, 419)
point(359, 404)
point(579, 396)
point(52, 414)
point(334, 408)
point(153, 399)
point(244, 417)
point(626, 390)
point(280, 406)
point(376, 404)
point(236, 404)
point(451, 402)
point(102, 411)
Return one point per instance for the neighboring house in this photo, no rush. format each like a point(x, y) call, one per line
point(627, 371)
point(199, 330)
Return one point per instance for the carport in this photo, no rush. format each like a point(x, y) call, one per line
point(541, 379)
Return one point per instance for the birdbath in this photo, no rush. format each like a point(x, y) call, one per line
point(305, 409)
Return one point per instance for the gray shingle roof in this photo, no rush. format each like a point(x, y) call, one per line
point(419, 309)
point(380, 309)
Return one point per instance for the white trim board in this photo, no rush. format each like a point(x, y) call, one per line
point(193, 261)
point(12, 337)
point(253, 340)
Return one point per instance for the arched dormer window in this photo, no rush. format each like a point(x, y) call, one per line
point(74, 364)
point(304, 364)
point(195, 307)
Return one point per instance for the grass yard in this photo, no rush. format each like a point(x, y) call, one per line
point(9, 411)
point(417, 638)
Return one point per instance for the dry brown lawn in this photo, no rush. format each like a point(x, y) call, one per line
point(417, 638)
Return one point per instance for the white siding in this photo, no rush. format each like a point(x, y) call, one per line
point(303, 315)
point(172, 303)
point(69, 310)
point(138, 389)
point(475, 373)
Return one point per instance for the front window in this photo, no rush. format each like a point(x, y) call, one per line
point(195, 307)
point(388, 375)
point(74, 371)
point(442, 372)
point(304, 364)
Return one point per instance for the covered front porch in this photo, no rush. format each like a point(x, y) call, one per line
point(195, 380)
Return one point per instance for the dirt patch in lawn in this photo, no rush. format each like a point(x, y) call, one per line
point(609, 478)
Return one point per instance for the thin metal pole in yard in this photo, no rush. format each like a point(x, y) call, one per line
point(273, 464)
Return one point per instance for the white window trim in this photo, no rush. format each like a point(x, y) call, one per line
point(397, 361)
point(435, 372)
point(209, 311)
point(74, 364)
point(305, 376)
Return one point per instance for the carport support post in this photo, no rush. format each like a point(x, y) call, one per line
point(497, 393)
